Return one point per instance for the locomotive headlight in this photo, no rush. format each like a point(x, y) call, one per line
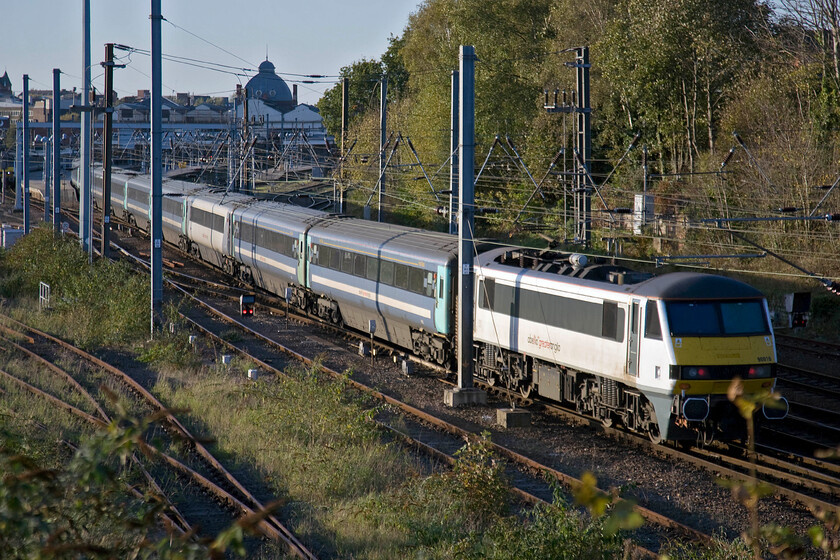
point(692, 372)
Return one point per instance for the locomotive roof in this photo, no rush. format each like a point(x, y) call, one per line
point(694, 285)
point(674, 285)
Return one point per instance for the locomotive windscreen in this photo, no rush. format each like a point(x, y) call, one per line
point(716, 318)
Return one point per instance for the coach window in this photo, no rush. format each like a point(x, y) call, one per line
point(401, 276)
point(415, 279)
point(652, 327)
point(347, 262)
point(429, 284)
point(386, 273)
point(335, 258)
point(361, 266)
point(372, 268)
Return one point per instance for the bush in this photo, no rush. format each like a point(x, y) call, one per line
point(84, 510)
point(102, 304)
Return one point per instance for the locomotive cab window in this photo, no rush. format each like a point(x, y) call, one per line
point(652, 327)
point(744, 317)
point(716, 318)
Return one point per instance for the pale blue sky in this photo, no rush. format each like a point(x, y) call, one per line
point(302, 37)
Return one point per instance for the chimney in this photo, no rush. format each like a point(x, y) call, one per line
point(294, 94)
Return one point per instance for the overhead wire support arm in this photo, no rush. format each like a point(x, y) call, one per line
point(663, 259)
point(241, 163)
point(384, 167)
point(754, 161)
point(831, 188)
point(538, 188)
point(623, 156)
point(592, 183)
point(825, 218)
point(520, 163)
point(344, 157)
point(830, 285)
point(423, 169)
point(496, 142)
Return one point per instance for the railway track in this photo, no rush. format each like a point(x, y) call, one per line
point(809, 481)
point(197, 465)
point(433, 435)
point(820, 349)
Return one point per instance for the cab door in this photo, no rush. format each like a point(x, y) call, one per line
point(633, 339)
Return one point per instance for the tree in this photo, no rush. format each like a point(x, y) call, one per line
point(671, 64)
point(364, 77)
point(820, 20)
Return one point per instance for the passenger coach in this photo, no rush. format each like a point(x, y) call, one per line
point(400, 277)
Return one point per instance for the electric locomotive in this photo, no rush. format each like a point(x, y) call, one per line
point(655, 353)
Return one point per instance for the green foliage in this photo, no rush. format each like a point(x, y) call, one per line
point(105, 303)
point(364, 77)
point(84, 510)
point(446, 520)
point(670, 66)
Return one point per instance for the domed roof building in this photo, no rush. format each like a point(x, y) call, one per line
point(270, 88)
point(273, 109)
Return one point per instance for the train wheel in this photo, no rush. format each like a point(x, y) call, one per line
point(335, 317)
point(654, 435)
point(652, 425)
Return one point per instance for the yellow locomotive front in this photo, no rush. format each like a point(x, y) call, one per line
point(715, 343)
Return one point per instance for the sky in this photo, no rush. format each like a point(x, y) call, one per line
point(299, 36)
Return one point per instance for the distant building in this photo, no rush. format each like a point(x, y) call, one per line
point(10, 106)
point(273, 108)
point(6, 87)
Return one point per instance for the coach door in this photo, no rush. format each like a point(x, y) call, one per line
point(633, 340)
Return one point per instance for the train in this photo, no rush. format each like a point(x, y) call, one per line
point(654, 353)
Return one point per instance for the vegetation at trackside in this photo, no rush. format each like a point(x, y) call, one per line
point(92, 306)
point(344, 487)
